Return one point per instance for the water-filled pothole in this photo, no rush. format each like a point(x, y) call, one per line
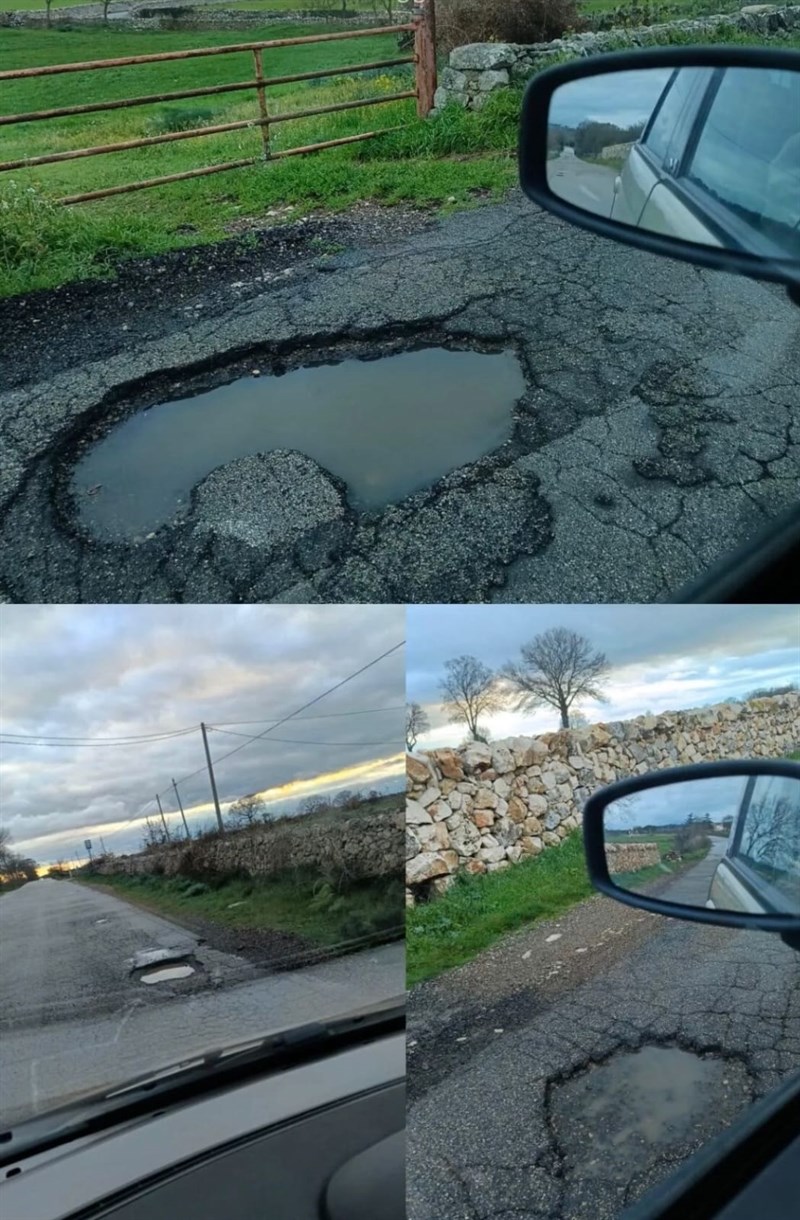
point(637, 1105)
point(386, 427)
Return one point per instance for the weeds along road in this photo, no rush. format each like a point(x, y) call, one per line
point(73, 1018)
point(558, 1079)
point(660, 427)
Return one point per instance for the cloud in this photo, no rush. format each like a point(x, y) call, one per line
point(107, 671)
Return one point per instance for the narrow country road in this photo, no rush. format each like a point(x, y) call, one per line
point(580, 1061)
point(74, 1018)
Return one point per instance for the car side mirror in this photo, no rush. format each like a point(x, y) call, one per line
point(716, 843)
point(691, 152)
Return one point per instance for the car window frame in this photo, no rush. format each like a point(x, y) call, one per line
point(719, 219)
point(684, 126)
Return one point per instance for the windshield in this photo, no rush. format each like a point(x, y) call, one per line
point(201, 833)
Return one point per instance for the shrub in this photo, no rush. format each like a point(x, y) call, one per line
point(463, 21)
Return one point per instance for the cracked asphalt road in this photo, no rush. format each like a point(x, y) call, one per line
point(540, 1091)
point(661, 427)
point(73, 1018)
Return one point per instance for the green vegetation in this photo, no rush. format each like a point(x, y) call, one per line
point(475, 911)
point(298, 901)
point(660, 10)
point(444, 163)
point(639, 878)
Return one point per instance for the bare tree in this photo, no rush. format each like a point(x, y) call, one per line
point(247, 811)
point(469, 691)
point(557, 668)
point(153, 836)
point(314, 804)
point(417, 723)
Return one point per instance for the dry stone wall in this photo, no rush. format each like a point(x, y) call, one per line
point(177, 16)
point(486, 807)
point(358, 848)
point(474, 72)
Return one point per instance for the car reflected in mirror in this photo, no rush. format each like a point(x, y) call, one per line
point(693, 152)
point(728, 843)
point(715, 842)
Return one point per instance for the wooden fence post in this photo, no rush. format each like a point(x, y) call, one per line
point(425, 50)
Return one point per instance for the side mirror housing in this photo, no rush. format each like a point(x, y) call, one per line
point(690, 152)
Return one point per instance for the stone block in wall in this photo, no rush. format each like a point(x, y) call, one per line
point(531, 845)
point(477, 757)
point(428, 865)
point(517, 810)
point(484, 56)
point(475, 867)
point(416, 815)
point(483, 818)
point(449, 764)
point(451, 80)
point(418, 770)
point(485, 798)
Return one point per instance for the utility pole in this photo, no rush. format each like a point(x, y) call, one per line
point(163, 819)
point(102, 845)
point(180, 806)
point(213, 781)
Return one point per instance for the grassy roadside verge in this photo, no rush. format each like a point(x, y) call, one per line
point(299, 903)
point(476, 911)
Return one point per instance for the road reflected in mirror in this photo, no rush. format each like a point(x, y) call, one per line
point(732, 844)
point(704, 155)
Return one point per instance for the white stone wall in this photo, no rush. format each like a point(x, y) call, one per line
point(474, 72)
point(483, 808)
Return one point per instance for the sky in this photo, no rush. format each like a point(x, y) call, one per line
point(111, 671)
point(663, 658)
point(622, 98)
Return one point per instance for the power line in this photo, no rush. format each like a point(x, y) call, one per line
point(18, 739)
point(297, 741)
point(291, 715)
point(48, 739)
point(365, 711)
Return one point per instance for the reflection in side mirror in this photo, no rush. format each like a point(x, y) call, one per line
point(674, 150)
point(729, 844)
point(716, 842)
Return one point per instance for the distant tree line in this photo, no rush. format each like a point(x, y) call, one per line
point(14, 869)
point(591, 137)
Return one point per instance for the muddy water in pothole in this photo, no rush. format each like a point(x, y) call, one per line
point(647, 1099)
point(386, 427)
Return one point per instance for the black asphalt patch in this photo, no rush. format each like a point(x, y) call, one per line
point(661, 425)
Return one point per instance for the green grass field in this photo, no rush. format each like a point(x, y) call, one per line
point(299, 902)
point(445, 162)
point(475, 911)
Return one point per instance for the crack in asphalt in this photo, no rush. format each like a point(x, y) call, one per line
point(650, 378)
point(501, 1058)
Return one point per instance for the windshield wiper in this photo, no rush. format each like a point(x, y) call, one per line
point(187, 1079)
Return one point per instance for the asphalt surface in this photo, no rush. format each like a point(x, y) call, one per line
point(693, 886)
point(73, 1016)
point(660, 428)
point(560, 1078)
point(583, 183)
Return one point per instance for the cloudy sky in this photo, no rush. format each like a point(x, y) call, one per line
point(662, 657)
point(112, 671)
point(622, 98)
